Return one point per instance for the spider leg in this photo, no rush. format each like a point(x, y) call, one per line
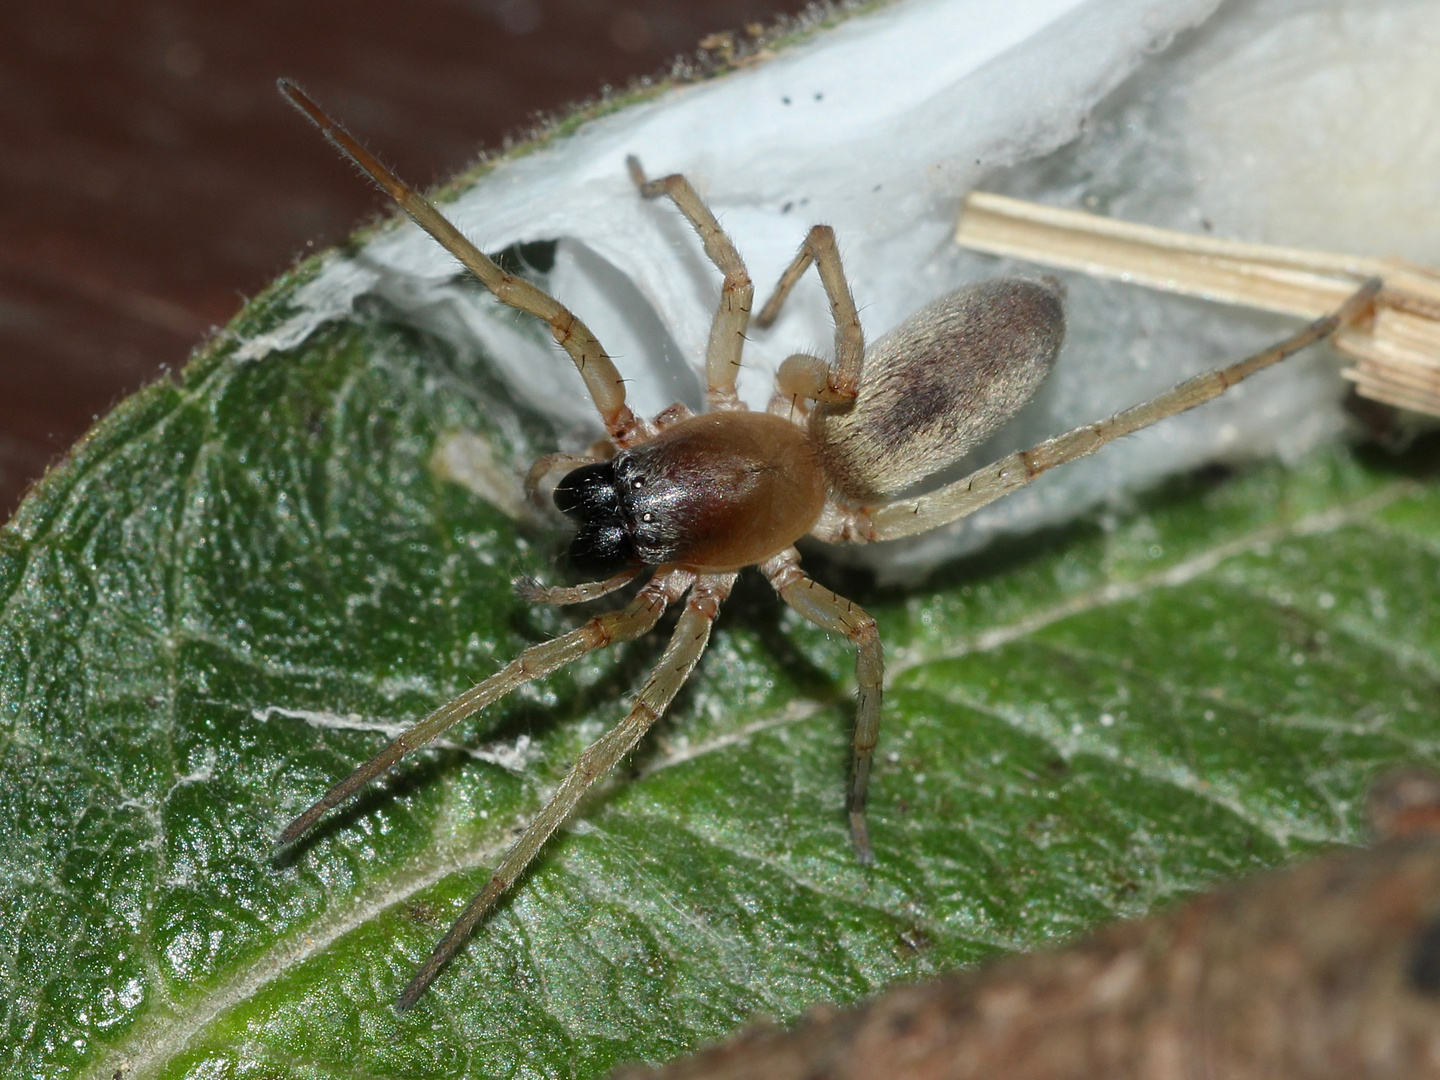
point(804, 378)
point(838, 615)
point(727, 331)
point(841, 381)
point(907, 517)
point(671, 415)
point(792, 406)
point(692, 633)
point(531, 590)
point(603, 381)
point(630, 622)
point(550, 463)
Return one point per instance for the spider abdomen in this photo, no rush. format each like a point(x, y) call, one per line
point(714, 492)
point(940, 382)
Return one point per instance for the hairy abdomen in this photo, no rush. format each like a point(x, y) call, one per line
point(939, 383)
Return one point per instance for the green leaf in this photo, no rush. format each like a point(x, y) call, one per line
point(214, 606)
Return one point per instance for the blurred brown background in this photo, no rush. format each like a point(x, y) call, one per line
point(153, 177)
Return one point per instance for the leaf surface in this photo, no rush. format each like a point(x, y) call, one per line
point(239, 582)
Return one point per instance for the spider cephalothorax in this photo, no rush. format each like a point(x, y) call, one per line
point(712, 492)
point(692, 500)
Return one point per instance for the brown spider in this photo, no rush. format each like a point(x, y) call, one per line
point(696, 499)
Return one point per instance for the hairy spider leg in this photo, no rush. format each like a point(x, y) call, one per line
point(633, 620)
point(834, 613)
point(603, 381)
point(529, 589)
point(552, 463)
point(672, 414)
point(687, 643)
point(737, 293)
point(803, 376)
point(908, 517)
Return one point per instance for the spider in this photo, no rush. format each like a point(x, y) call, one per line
point(691, 500)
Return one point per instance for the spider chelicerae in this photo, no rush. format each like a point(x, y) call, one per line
point(691, 500)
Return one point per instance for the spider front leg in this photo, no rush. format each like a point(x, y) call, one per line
point(737, 293)
point(630, 622)
point(602, 379)
point(834, 613)
point(687, 643)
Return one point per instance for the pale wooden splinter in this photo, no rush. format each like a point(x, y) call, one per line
point(696, 499)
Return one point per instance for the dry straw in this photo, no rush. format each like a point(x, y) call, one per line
point(1396, 354)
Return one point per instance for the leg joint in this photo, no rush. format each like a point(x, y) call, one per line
point(820, 234)
point(863, 628)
